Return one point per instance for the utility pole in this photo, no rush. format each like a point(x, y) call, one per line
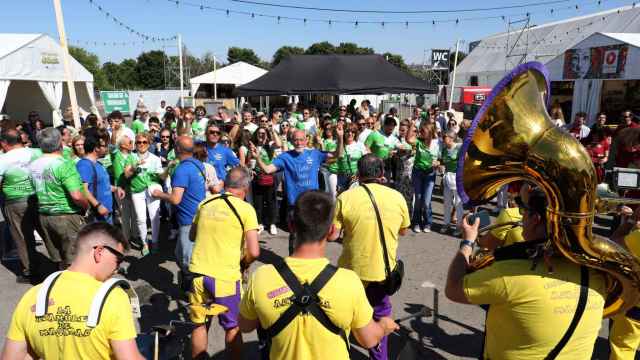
point(215, 80)
point(453, 79)
point(67, 64)
point(181, 72)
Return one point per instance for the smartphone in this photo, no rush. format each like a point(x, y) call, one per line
point(483, 215)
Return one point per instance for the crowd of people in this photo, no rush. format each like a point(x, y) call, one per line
point(219, 182)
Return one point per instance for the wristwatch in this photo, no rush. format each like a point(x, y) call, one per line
point(468, 243)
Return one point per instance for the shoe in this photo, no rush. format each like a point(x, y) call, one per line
point(444, 229)
point(416, 229)
point(260, 228)
point(273, 230)
point(145, 250)
point(426, 229)
point(457, 233)
point(24, 278)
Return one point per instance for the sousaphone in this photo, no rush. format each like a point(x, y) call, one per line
point(513, 138)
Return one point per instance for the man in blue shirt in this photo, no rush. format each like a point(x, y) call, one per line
point(220, 156)
point(188, 189)
point(301, 166)
point(96, 181)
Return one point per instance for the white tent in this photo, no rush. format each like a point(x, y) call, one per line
point(32, 78)
point(587, 89)
point(236, 74)
point(489, 60)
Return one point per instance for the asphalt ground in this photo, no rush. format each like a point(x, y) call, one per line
point(455, 331)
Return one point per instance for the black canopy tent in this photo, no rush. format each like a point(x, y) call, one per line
point(333, 74)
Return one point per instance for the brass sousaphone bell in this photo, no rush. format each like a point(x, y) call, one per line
point(512, 138)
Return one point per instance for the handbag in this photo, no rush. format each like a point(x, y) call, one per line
point(393, 280)
point(264, 179)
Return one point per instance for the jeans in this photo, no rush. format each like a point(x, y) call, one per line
point(344, 181)
point(184, 247)
point(423, 182)
point(264, 201)
point(143, 202)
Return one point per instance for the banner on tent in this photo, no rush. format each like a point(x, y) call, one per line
point(440, 59)
point(602, 62)
point(115, 100)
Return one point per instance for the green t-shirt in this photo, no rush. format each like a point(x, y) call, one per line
point(120, 162)
point(53, 179)
point(450, 158)
point(137, 126)
point(348, 163)
point(146, 173)
point(107, 162)
point(15, 174)
point(425, 155)
point(330, 145)
point(67, 152)
point(375, 142)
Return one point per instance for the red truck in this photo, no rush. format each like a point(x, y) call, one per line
point(467, 99)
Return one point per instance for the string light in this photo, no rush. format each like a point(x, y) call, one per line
point(129, 28)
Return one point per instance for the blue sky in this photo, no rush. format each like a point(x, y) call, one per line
point(206, 30)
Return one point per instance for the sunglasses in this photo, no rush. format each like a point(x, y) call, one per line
point(142, 143)
point(165, 136)
point(343, 109)
point(119, 256)
point(284, 125)
point(214, 133)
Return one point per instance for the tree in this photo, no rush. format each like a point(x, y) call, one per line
point(396, 60)
point(452, 57)
point(121, 76)
point(92, 63)
point(150, 69)
point(285, 51)
point(321, 48)
point(235, 54)
point(353, 49)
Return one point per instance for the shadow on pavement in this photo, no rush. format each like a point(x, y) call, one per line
point(148, 269)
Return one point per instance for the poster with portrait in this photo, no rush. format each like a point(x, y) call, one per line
point(602, 62)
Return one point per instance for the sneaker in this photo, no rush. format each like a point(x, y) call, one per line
point(273, 230)
point(145, 250)
point(260, 228)
point(426, 229)
point(457, 233)
point(444, 229)
point(416, 229)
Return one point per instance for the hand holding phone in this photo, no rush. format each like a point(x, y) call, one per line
point(483, 215)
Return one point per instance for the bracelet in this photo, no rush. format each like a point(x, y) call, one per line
point(97, 205)
point(468, 243)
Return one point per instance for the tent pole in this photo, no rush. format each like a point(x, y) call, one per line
point(453, 80)
point(215, 80)
point(67, 64)
point(181, 73)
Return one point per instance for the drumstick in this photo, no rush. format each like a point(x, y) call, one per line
point(156, 351)
point(421, 313)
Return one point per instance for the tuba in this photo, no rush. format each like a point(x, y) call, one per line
point(512, 138)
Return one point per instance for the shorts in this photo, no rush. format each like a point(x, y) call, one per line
point(205, 289)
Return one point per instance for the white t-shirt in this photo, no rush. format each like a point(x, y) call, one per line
point(251, 127)
point(363, 135)
point(125, 132)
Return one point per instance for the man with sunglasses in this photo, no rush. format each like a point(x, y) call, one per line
point(532, 292)
point(220, 156)
point(63, 333)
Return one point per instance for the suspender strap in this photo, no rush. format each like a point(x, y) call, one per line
point(385, 253)
point(582, 304)
point(42, 299)
point(193, 162)
point(99, 299)
point(305, 300)
point(233, 209)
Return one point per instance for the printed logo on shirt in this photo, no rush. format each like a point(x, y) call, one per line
point(62, 323)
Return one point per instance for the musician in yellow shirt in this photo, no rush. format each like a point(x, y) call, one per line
point(225, 230)
point(62, 332)
point(530, 305)
point(338, 307)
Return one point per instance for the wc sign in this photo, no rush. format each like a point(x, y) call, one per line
point(440, 58)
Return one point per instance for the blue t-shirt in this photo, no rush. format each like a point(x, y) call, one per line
point(220, 157)
point(88, 171)
point(300, 171)
point(189, 175)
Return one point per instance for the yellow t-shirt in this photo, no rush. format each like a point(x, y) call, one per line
point(508, 235)
point(62, 333)
point(343, 299)
point(624, 335)
point(219, 239)
point(361, 248)
point(533, 308)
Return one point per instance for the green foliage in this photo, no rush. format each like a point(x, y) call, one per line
point(150, 69)
point(353, 49)
point(321, 48)
point(285, 51)
point(91, 62)
point(235, 54)
point(396, 60)
point(461, 56)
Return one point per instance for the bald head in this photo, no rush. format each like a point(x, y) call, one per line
point(237, 178)
point(10, 137)
point(184, 145)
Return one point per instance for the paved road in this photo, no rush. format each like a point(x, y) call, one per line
point(457, 333)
